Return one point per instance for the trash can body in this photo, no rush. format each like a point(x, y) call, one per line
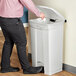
point(47, 41)
point(53, 49)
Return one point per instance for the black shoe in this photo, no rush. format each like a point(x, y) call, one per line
point(32, 70)
point(10, 69)
point(42, 71)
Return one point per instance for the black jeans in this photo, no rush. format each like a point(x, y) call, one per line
point(14, 32)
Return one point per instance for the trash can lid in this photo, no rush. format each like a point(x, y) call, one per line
point(52, 18)
point(50, 13)
point(44, 24)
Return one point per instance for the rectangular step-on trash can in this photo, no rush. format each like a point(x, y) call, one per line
point(47, 40)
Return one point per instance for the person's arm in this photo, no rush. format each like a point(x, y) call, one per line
point(31, 6)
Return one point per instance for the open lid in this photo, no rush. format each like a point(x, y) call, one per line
point(50, 13)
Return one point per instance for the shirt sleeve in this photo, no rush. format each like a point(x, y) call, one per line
point(31, 6)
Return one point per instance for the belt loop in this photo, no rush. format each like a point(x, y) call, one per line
point(18, 20)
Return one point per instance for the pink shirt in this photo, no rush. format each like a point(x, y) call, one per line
point(14, 8)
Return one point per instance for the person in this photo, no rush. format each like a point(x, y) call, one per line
point(13, 30)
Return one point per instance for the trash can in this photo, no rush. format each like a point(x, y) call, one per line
point(47, 40)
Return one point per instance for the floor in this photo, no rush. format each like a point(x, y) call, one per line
point(15, 63)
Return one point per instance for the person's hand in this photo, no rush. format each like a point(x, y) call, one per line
point(42, 15)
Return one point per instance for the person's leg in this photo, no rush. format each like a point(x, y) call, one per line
point(7, 50)
point(17, 33)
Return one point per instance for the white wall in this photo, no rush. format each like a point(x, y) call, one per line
point(68, 9)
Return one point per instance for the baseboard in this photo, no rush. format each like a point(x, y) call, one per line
point(66, 67)
point(69, 68)
point(25, 25)
point(0, 28)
